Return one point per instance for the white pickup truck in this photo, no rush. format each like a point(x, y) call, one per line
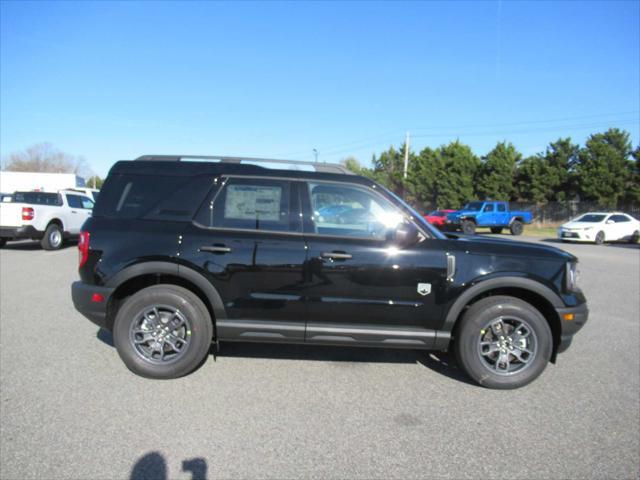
point(44, 216)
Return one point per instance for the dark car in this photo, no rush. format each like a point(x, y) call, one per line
point(178, 255)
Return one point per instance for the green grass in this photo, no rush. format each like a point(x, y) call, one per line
point(535, 231)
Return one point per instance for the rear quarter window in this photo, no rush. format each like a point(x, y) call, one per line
point(38, 198)
point(159, 197)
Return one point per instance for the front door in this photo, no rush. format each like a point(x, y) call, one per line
point(247, 240)
point(360, 284)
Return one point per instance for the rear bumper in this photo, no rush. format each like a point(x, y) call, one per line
point(568, 328)
point(15, 233)
point(82, 295)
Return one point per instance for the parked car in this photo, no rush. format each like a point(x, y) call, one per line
point(438, 218)
point(178, 255)
point(48, 217)
point(600, 227)
point(494, 215)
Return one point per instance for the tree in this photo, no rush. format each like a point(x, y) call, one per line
point(604, 168)
point(43, 157)
point(388, 169)
point(633, 188)
point(496, 177)
point(532, 183)
point(353, 165)
point(560, 158)
point(444, 178)
point(94, 182)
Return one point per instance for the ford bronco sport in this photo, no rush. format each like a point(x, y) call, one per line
point(179, 254)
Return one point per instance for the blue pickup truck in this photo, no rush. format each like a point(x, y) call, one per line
point(494, 215)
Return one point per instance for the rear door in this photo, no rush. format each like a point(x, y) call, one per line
point(247, 241)
point(79, 209)
point(360, 287)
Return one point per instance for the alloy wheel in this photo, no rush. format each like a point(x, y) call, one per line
point(507, 345)
point(160, 334)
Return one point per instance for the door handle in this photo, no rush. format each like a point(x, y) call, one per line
point(215, 249)
point(74, 211)
point(337, 255)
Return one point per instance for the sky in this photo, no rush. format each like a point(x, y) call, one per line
point(113, 81)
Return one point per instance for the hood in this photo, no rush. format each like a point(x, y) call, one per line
point(475, 244)
point(459, 213)
point(580, 225)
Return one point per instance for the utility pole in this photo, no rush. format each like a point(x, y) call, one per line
point(406, 155)
point(315, 154)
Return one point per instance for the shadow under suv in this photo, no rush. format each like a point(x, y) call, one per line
point(180, 254)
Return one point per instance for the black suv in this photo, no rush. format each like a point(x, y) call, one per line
point(180, 254)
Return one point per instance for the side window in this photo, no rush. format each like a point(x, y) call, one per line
point(502, 207)
point(488, 208)
point(346, 210)
point(619, 218)
point(87, 203)
point(74, 201)
point(253, 204)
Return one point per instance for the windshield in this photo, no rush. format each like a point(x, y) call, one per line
point(473, 206)
point(590, 218)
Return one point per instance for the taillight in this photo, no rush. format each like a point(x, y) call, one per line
point(83, 248)
point(28, 213)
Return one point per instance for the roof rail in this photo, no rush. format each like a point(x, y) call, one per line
point(311, 166)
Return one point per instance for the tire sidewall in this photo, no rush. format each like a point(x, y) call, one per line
point(468, 227)
point(189, 305)
point(46, 240)
point(516, 227)
point(467, 341)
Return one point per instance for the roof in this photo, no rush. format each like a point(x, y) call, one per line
point(171, 165)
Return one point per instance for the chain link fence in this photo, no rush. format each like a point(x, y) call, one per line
point(555, 213)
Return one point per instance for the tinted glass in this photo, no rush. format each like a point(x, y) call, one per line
point(132, 196)
point(488, 207)
point(473, 206)
point(502, 207)
point(253, 204)
point(619, 218)
point(346, 210)
point(591, 218)
point(38, 198)
point(79, 201)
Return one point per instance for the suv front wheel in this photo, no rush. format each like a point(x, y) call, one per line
point(163, 331)
point(503, 342)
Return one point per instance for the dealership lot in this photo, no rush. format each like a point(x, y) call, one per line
point(70, 409)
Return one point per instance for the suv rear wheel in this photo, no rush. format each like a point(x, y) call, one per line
point(503, 342)
point(163, 331)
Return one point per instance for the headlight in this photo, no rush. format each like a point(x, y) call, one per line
point(572, 277)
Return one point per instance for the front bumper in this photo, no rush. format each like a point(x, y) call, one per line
point(568, 328)
point(577, 235)
point(16, 233)
point(82, 295)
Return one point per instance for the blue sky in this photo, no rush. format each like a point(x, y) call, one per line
point(116, 80)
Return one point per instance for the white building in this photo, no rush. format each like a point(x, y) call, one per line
point(45, 182)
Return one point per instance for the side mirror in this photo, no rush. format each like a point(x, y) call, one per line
point(406, 234)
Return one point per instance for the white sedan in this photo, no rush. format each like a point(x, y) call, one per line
point(600, 227)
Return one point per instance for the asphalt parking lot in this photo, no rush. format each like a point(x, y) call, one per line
point(69, 408)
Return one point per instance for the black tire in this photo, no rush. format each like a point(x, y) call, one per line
point(53, 237)
point(496, 229)
point(599, 240)
point(473, 326)
point(516, 227)
point(468, 227)
point(199, 331)
point(635, 238)
point(3, 242)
